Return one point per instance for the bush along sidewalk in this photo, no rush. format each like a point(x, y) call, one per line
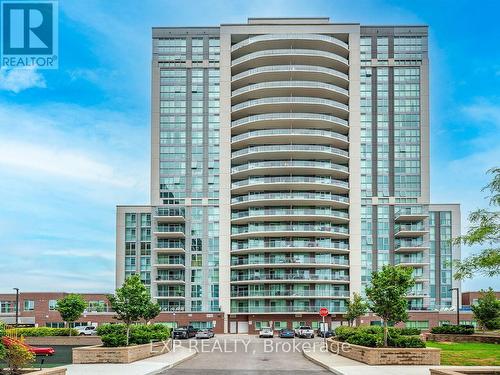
point(454, 329)
point(373, 337)
point(115, 335)
point(40, 332)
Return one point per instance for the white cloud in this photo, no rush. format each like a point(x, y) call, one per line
point(483, 111)
point(81, 253)
point(17, 80)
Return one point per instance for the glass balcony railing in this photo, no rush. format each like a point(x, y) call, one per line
point(170, 212)
point(165, 293)
point(289, 116)
point(290, 276)
point(409, 228)
point(290, 196)
point(170, 228)
point(171, 260)
point(289, 163)
point(290, 260)
point(291, 84)
point(409, 211)
point(289, 212)
point(289, 244)
point(409, 260)
point(291, 180)
point(291, 36)
point(290, 52)
point(402, 244)
point(291, 293)
point(307, 132)
point(290, 148)
point(290, 68)
point(284, 309)
point(177, 277)
point(313, 227)
point(290, 100)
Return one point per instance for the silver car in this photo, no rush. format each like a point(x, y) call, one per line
point(205, 334)
point(266, 332)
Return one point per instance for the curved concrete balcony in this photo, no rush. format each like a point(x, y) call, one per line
point(292, 56)
point(405, 246)
point(289, 277)
point(288, 104)
point(289, 263)
point(169, 250)
point(276, 152)
point(283, 309)
point(277, 136)
point(323, 183)
point(290, 72)
point(290, 246)
point(289, 230)
point(299, 40)
point(170, 296)
point(412, 261)
point(279, 167)
point(410, 230)
point(291, 214)
point(291, 88)
point(289, 120)
point(169, 280)
point(411, 214)
point(169, 215)
point(169, 265)
point(169, 234)
point(289, 294)
point(294, 197)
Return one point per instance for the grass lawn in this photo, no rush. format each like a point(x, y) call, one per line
point(467, 354)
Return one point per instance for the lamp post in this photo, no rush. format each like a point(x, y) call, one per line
point(458, 305)
point(17, 305)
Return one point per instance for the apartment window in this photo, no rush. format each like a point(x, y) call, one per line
point(52, 305)
point(259, 325)
point(7, 306)
point(444, 323)
point(130, 220)
point(280, 325)
point(195, 305)
point(29, 305)
point(419, 324)
point(54, 324)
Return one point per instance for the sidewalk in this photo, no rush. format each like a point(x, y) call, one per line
point(148, 366)
point(344, 366)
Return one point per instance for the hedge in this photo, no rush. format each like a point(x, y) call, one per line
point(462, 329)
point(113, 335)
point(373, 336)
point(41, 332)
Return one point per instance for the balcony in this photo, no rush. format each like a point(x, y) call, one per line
point(290, 56)
point(170, 231)
point(405, 246)
point(289, 294)
point(270, 136)
point(411, 261)
point(293, 229)
point(276, 152)
point(279, 167)
point(169, 215)
point(290, 119)
point(294, 213)
point(415, 213)
point(170, 279)
point(290, 262)
point(290, 277)
point(169, 263)
point(323, 183)
point(294, 197)
point(410, 230)
point(283, 309)
point(169, 250)
point(293, 72)
point(290, 246)
point(291, 88)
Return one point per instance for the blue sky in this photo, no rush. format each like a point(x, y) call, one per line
point(75, 141)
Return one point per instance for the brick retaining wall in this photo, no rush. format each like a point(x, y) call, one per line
point(442, 337)
point(64, 340)
point(101, 354)
point(386, 356)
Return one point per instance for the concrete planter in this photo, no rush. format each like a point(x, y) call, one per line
point(476, 337)
point(127, 354)
point(386, 356)
point(63, 340)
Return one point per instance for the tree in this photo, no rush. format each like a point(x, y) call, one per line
point(487, 310)
point(132, 303)
point(484, 230)
point(387, 294)
point(71, 308)
point(151, 311)
point(355, 308)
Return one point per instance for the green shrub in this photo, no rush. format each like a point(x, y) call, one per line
point(454, 329)
point(113, 334)
point(114, 340)
point(2, 329)
point(403, 331)
point(3, 352)
point(18, 357)
point(372, 340)
point(342, 332)
point(41, 331)
point(406, 342)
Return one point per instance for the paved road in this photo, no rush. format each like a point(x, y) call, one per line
point(247, 355)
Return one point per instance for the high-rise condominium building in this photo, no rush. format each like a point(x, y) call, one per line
point(289, 160)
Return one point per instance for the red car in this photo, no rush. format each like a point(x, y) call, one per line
point(8, 341)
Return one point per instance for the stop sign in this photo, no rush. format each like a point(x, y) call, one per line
point(323, 311)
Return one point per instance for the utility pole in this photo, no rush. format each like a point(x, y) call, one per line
point(458, 305)
point(17, 306)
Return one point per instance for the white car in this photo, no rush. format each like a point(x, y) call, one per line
point(86, 330)
point(266, 332)
point(205, 334)
point(304, 332)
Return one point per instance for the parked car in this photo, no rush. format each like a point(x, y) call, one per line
point(327, 333)
point(286, 333)
point(205, 334)
point(266, 332)
point(304, 332)
point(86, 330)
point(184, 332)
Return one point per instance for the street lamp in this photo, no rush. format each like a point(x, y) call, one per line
point(17, 305)
point(458, 305)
